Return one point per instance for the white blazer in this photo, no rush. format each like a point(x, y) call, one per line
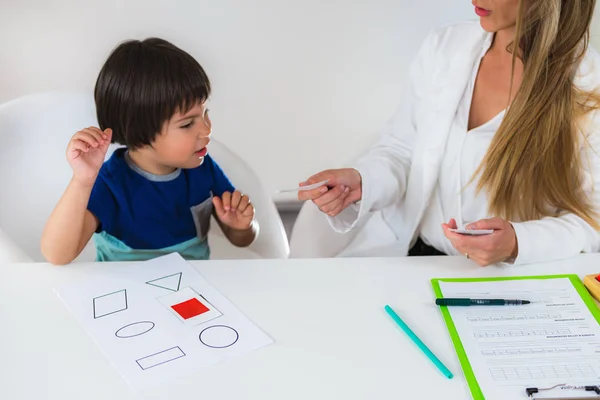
point(399, 173)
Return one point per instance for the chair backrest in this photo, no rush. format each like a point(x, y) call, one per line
point(35, 130)
point(313, 237)
point(10, 252)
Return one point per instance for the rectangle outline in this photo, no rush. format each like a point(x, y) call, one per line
point(109, 294)
point(160, 352)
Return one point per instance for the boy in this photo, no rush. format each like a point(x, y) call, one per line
point(156, 195)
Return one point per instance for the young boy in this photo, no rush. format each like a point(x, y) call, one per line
point(157, 195)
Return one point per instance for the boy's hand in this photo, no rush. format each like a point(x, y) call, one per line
point(86, 152)
point(234, 210)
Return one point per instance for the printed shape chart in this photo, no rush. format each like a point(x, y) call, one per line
point(160, 319)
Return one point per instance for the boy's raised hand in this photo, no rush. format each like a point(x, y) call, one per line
point(234, 210)
point(86, 152)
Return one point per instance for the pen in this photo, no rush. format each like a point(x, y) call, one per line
point(479, 302)
point(418, 342)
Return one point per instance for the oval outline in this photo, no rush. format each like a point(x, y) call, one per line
point(137, 334)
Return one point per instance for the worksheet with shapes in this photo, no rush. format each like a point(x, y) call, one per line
point(554, 340)
point(159, 319)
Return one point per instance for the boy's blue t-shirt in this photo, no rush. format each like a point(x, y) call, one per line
point(142, 215)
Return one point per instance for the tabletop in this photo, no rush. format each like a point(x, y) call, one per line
point(333, 339)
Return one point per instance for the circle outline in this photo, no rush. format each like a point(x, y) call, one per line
point(237, 336)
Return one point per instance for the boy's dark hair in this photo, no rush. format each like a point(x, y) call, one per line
point(143, 84)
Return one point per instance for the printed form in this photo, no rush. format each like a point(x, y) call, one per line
point(554, 340)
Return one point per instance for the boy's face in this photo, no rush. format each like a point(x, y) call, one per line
point(183, 139)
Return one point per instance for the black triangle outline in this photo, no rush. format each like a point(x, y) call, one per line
point(162, 287)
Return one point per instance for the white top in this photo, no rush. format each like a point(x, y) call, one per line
point(401, 171)
point(453, 196)
point(333, 340)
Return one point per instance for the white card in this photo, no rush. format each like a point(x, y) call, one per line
point(189, 307)
point(303, 188)
point(473, 232)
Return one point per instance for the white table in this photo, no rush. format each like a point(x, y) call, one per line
point(332, 338)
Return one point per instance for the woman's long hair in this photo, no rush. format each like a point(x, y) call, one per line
point(533, 165)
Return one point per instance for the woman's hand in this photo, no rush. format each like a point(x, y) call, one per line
point(485, 249)
point(343, 187)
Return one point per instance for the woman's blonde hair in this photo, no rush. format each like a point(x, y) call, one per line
point(533, 165)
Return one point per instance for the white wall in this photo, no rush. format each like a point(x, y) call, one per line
point(299, 86)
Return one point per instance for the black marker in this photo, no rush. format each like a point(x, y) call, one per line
point(479, 302)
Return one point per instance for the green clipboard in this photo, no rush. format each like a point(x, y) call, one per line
point(460, 350)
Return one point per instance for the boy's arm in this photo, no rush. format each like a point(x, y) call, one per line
point(235, 215)
point(239, 237)
point(70, 225)
point(232, 209)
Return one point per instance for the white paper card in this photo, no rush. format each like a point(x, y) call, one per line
point(189, 307)
point(160, 319)
point(303, 188)
point(472, 232)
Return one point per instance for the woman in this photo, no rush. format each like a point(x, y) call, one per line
point(499, 130)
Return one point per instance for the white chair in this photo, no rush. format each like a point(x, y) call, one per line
point(313, 237)
point(35, 130)
point(10, 252)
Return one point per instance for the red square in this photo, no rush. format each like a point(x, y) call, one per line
point(190, 308)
